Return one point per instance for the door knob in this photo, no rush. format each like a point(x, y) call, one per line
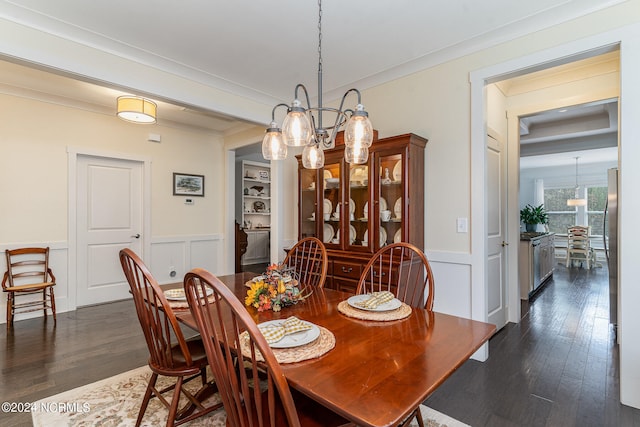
point(136, 236)
point(504, 243)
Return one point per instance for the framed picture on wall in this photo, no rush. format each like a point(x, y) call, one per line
point(185, 184)
point(264, 175)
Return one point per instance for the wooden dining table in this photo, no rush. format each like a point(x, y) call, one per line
point(379, 371)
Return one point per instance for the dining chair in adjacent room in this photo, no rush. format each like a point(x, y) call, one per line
point(308, 259)
point(28, 273)
point(170, 354)
point(235, 335)
point(579, 245)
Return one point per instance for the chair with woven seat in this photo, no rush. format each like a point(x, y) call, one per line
point(402, 269)
point(225, 321)
point(308, 258)
point(579, 246)
point(28, 273)
point(171, 354)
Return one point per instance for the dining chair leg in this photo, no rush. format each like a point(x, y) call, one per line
point(173, 410)
point(9, 311)
point(53, 305)
point(147, 396)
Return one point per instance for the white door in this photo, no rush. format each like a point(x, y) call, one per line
point(496, 232)
point(109, 218)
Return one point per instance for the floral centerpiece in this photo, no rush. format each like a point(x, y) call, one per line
point(275, 289)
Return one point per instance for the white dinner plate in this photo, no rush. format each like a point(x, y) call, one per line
point(327, 233)
point(352, 206)
point(383, 204)
point(366, 210)
point(394, 304)
point(383, 236)
point(366, 236)
point(397, 208)
point(327, 207)
point(296, 339)
point(178, 294)
point(397, 171)
point(327, 174)
point(397, 238)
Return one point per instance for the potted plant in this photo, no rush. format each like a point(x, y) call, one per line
point(532, 216)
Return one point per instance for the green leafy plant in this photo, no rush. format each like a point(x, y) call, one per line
point(534, 215)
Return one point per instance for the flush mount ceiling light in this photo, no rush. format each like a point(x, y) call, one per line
point(577, 201)
point(303, 125)
point(136, 109)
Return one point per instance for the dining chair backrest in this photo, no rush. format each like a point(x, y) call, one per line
point(235, 337)
point(402, 269)
point(308, 258)
point(157, 319)
point(28, 273)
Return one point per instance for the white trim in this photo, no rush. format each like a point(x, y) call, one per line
point(73, 153)
point(629, 374)
point(230, 212)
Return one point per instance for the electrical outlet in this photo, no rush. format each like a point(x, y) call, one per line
point(462, 225)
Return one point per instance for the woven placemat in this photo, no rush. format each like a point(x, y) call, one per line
point(380, 316)
point(181, 305)
point(325, 342)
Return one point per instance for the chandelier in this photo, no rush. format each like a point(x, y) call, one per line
point(303, 125)
point(577, 201)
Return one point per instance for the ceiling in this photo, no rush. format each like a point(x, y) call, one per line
point(260, 50)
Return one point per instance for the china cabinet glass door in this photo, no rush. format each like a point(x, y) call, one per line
point(391, 203)
point(331, 204)
point(308, 202)
point(359, 206)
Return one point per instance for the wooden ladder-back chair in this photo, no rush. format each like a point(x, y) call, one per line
point(308, 258)
point(28, 273)
point(173, 357)
point(402, 269)
point(246, 403)
point(579, 246)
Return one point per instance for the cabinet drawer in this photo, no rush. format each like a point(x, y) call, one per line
point(345, 285)
point(346, 269)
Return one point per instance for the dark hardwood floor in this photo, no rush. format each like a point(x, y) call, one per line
point(558, 367)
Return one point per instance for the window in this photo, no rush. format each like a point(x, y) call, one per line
point(562, 216)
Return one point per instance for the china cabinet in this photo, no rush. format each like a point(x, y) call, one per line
point(256, 210)
point(356, 209)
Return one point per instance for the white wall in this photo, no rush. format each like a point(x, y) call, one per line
point(34, 175)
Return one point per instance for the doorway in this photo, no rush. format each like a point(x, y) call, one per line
point(108, 211)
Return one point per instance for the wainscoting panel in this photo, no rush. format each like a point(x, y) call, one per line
point(172, 257)
point(452, 288)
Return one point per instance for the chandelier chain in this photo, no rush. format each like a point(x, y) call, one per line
point(319, 35)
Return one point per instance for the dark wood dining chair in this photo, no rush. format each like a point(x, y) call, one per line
point(402, 269)
point(308, 259)
point(28, 273)
point(225, 321)
point(170, 354)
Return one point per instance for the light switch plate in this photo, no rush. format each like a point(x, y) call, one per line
point(462, 225)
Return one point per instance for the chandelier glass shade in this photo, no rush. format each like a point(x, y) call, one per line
point(577, 200)
point(136, 109)
point(303, 125)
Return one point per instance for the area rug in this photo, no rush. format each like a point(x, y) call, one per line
point(114, 402)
